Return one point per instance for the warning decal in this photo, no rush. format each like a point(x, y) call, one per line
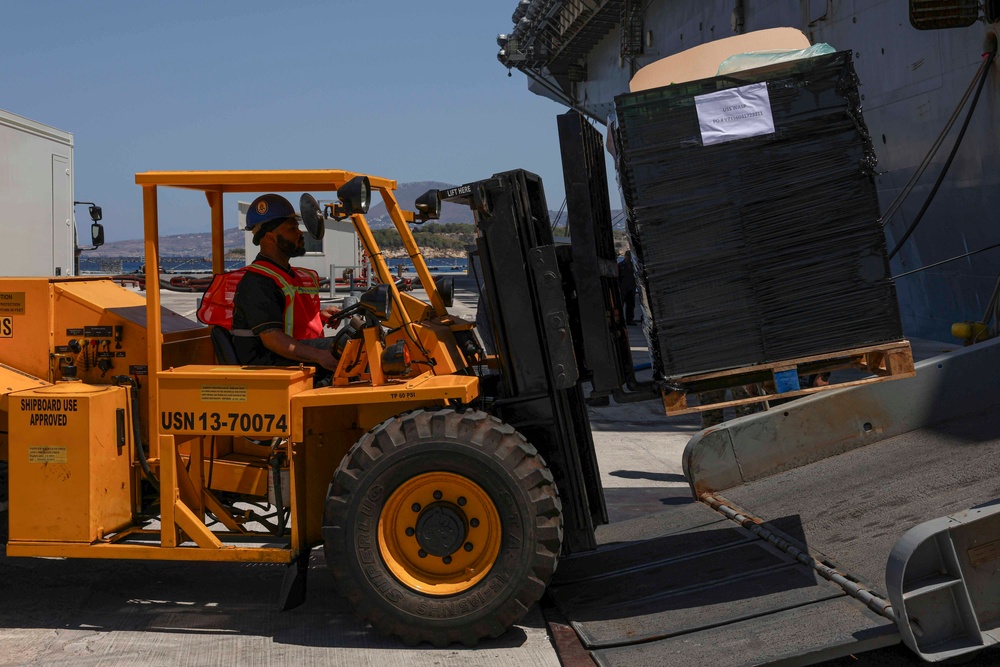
point(11, 303)
point(224, 393)
point(47, 454)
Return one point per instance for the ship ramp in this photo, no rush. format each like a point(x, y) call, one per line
point(818, 524)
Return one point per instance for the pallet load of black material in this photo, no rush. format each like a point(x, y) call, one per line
point(754, 222)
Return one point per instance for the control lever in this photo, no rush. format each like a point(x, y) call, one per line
point(67, 368)
point(105, 363)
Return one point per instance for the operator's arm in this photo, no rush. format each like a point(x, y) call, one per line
point(282, 344)
point(258, 306)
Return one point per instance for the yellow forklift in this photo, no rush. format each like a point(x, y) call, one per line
point(444, 482)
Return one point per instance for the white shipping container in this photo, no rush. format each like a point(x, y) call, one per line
point(36, 198)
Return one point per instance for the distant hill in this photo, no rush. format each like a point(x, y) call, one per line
point(200, 245)
point(178, 245)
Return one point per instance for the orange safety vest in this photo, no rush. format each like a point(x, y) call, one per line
point(302, 320)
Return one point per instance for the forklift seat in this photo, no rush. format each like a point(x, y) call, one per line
point(222, 341)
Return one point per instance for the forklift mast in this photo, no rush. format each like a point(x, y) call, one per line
point(531, 289)
point(601, 336)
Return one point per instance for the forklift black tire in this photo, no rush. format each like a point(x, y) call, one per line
point(442, 527)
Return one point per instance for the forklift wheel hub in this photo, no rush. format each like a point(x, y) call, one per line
point(441, 530)
point(439, 533)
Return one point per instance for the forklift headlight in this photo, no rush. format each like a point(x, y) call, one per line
point(428, 205)
point(378, 302)
point(355, 195)
point(446, 288)
point(396, 359)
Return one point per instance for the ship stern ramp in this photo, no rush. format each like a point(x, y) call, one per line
point(818, 524)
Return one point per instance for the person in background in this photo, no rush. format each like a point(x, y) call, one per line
point(626, 282)
point(815, 380)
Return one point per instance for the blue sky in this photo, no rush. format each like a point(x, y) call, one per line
point(406, 90)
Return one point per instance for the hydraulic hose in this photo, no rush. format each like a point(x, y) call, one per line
point(281, 516)
point(136, 433)
point(985, 68)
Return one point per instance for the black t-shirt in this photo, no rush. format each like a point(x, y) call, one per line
point(259, 306)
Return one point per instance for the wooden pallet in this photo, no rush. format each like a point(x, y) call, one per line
point(888, 361)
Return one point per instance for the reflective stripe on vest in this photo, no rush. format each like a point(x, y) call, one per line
point(302, 307)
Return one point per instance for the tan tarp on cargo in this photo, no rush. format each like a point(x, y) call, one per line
point(702, 61)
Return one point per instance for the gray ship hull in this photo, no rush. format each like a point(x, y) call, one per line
point(912, 80)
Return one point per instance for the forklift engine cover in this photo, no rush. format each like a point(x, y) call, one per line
point(70, 463)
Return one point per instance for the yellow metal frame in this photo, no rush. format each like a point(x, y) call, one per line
point(179, 457)
point(216, 183)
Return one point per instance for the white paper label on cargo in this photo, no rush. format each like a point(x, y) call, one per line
point(733, 114)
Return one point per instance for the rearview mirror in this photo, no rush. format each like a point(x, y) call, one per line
point(312, 216)
point(95, 213)
point(97, 232)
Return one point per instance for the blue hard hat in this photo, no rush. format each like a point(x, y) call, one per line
point(267, 208)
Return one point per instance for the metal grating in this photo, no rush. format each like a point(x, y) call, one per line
point(991, 11)
point(631, 31)
point(554, 34)
point(937, 14)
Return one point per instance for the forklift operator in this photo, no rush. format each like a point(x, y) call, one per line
point(277, 319)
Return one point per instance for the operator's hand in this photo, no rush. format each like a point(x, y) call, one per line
point(329, 316)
